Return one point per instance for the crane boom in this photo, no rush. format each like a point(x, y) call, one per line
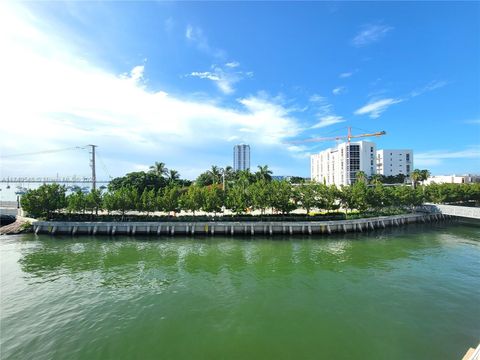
point(348, 137)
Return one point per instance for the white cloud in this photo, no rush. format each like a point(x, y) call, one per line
point(436, 157)
point(429, 87)
point(339, 90)
point(324, 112)
point(232, 64)
point(370, 33)
point(327, 121)
point(136, 74)
point(224, 78)
point(322, 106)
point(317, 98)
point(375, 109)
point(345, 75)
point(73, 102)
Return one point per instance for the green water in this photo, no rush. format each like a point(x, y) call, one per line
point(408, 293)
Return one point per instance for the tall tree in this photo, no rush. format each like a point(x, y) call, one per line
point(214, 199)
point(260, 192)
point(416, 176)
point(173, 176)
point(44, 201)
point(216, 174)
point(425, 174)
point(193, 199)
point(263, 173)
point(159, 169)
point(148, 201)
point(95, 201)
point(282, 196)
point(169, 199)
point(77, 202)
point(307, 195)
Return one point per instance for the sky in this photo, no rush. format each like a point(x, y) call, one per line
point(182, 83)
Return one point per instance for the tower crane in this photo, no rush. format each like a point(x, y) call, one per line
point(349, 136)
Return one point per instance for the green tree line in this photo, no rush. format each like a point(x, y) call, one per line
point(240, 192)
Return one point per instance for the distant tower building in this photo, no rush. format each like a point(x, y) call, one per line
point(241, 157)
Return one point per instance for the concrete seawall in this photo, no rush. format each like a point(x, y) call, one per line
point(230, 227)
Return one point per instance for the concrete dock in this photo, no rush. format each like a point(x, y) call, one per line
point(243, 228)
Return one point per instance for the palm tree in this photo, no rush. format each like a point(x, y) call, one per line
point(173, 176)
point(215, 172)
point(425, 175)
point(159, 169)
point(360, 176)
point(229, 173)
point(416, 176)
point(264, 173)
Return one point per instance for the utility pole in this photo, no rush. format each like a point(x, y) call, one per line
point(92, 165)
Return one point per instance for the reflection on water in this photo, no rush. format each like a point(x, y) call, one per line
point(151, 262)
point(405, 293)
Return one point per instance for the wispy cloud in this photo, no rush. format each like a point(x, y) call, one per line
point(232, 64)
point(376, 108)
point(324, 112)
point(195, 35)
point(345, 75)
point(224, 77)
point(339, 90)
point(436, 157)
point(436, 84)
point(370, 33)
point(327, 121)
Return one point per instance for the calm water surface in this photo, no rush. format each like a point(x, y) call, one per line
point(408, 293)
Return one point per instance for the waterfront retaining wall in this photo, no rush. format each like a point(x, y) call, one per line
point(231, 227)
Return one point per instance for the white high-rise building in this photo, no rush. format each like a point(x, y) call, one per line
point(339, 165)
point(394, 162)
point(241, 157)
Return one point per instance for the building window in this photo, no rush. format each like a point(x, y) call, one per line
point(407, 156)
point(371, 149)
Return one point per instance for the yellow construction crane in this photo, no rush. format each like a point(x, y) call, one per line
point(348, 137)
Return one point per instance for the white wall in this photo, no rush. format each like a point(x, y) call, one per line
point(331, 165)
point(391, 162)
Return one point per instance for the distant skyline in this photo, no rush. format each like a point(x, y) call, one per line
point(182, 83)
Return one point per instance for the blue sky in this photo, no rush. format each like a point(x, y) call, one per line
point(182, 83)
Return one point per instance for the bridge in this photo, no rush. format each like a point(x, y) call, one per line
point(50, 180)
point(452, 210)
